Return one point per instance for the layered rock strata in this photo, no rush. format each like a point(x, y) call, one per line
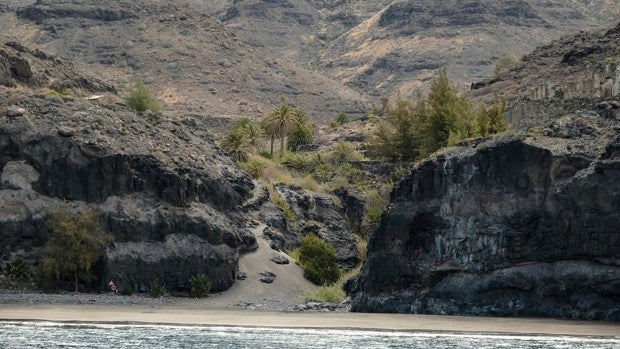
point(513, 226)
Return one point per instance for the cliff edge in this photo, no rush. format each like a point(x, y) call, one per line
point(519, 225)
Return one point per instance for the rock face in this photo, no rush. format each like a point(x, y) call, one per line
point(319, 214)
point(575, 74)
point(514, 226)
point(167, 195)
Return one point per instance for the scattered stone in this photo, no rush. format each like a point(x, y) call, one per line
point(66, 131)
point(267, 277)
point(279, 259)
point(14, 111)
point(242, 276)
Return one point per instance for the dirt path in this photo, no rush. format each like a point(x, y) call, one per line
point(288, 287)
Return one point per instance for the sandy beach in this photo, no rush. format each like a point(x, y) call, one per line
point(356, 321)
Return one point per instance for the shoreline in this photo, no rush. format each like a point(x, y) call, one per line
point(196, 316)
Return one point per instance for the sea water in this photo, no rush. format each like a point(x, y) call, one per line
point(73, 335)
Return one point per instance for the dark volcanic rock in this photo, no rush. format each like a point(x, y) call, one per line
point(267, 277)
point(41, 12)
point(319, 214)
point(279, 259)
point(171, 263)
point(510, 227)
point(578, 73)
point(168, 196)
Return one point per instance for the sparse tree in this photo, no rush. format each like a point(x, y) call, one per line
point(75, 246)
point(411, 131)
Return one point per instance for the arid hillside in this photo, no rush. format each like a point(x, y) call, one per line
point(384, 47)
point(194, 64)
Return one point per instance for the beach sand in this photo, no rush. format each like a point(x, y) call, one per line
point(269, 300)
point(356, 321)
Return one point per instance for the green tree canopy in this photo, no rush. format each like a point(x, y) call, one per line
point(237, 144)
point(412, 130)
point(280, 122)
point(302, 133)
point(75, 246)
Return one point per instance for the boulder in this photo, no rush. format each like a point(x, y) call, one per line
point(15, 111)
point(279, 259)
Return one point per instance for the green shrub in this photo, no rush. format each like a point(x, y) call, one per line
point(127, 290)
point(18, 271)
point(251, 130)
point(375, 205)
point(155, 290)
point(255, 167)
point(200, 286)
point(302, 135)
point(141, 99)
point(318, 260)
point(322, 173)
point(265, 154)
point(344, 152)
point(340, 119)
point(332, 293)
point(237, 144)
point(504, 63)
point(298, 162)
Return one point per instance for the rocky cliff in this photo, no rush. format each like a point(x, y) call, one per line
point(520, 225)
point(167, 195)
point(576, 74)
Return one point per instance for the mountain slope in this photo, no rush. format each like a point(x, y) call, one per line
point(384, 47)
point(192, 62)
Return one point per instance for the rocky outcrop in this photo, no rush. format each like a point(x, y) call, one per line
point(32, 67)
point(43, 11)
point(514, 226)
point(574, 74)
point(170, 199)
point(318, 214)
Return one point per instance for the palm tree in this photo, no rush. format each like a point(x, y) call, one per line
point(251, 129)
point(237, 145)
point(279, 123)
point(254, 133)
point(302, 132)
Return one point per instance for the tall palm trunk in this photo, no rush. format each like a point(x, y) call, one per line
point(273, 138)
point(282, 144)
